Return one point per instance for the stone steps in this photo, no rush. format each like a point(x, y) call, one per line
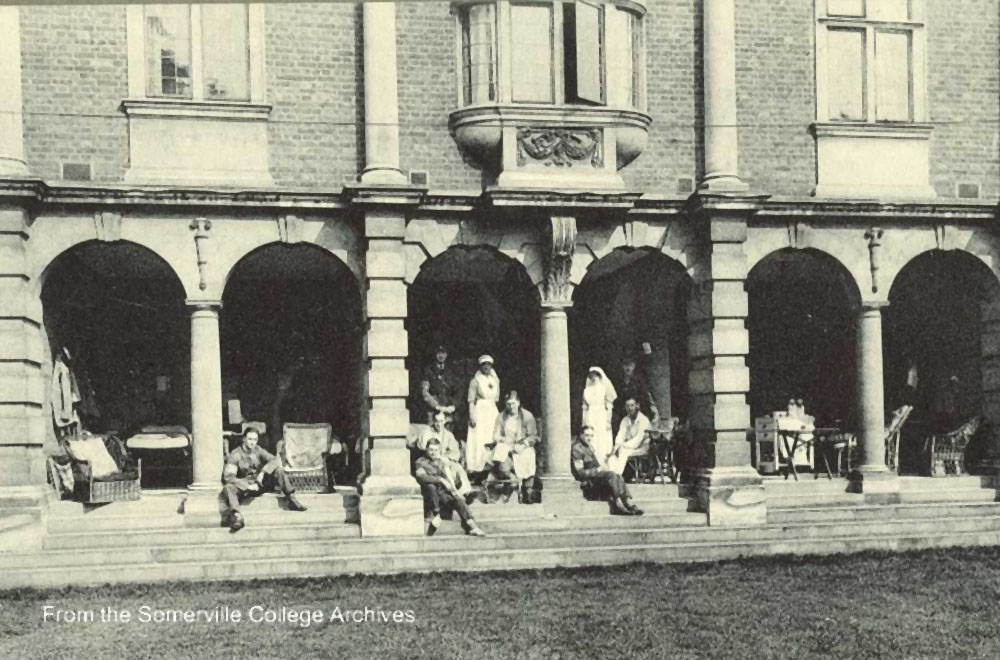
point(881, 512)
point(468, 554)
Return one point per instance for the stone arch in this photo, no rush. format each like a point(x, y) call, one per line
point(427, 238)
point(475, 299)
point(942, 342)
point(294, 311)
point(119, 307)
point(627, 300)
point(910, 245)
point(245, 238)
point(836, 248)
point(801, 325)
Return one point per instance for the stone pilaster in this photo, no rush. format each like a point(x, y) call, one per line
point(391, 504)
point(381, 97)
point(989, 341)
point(202, 505)
point(727, 487)
point(12, 161)
point(872, 477)
point(557, 297)
point(23, 390)
point(721, 134)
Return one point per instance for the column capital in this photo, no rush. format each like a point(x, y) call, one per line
point(195, 306)
point(557, 288)
point(872, 307)
point(553, 308)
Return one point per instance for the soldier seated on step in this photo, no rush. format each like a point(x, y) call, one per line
point(598, 482)
point(437, 478)
point(249, 471)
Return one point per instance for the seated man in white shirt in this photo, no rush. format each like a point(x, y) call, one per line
point(450, 450)
point(631, 439)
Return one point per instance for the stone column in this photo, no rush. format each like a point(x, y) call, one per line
point(12, 162)
point(391, 504)
point(381, 102)
point(201, 508)
point(719, 68)
point(23, 387)
point(556, 432)
point(872, 476)
point(557, 296)
point(727, 487)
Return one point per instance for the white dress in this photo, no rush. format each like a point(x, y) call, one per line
point(597, 400)
point(484, 392)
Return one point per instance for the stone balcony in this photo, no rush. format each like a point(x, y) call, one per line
point(545, 147)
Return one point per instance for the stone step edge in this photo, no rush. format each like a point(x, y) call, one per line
point(182, 528)
point(884, 507)
point(351, 543)
point(503, 520)
point(865, 540)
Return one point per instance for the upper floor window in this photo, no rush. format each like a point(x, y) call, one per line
point(585, 52)
point(870, 60)
point(210, 52)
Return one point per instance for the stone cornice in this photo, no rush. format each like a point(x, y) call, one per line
point(384, 194)
point(507, 197)
point(96, 194)
point(840, 210)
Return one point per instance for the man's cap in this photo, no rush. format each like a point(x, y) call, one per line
point(441, 348)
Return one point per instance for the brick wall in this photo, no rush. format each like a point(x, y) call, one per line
point(425, 42)
point(963, 85)
point(673, 76)
point(315, 83)
point(73, 69)
point(776, 93)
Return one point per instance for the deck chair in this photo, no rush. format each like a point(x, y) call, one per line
point(945, 452)
point(303, 450)
point(102, 469)
point(892, 434)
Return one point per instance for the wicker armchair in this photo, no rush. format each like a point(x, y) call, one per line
point(892, 434)
point(120, 486)
point(944, 453)
point(304, 450)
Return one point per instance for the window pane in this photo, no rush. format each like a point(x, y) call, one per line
point(477, 54)
point(892, 71)
point(889, 10)
point(225, 52)
point(168, 50)
point(531, 53)
point(846, 7)
point(589, 53)
point(846, 75)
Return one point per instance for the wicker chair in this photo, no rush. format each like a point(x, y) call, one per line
point(892, 434)
point(304, 449)
point(119, 486)
point(945, 452)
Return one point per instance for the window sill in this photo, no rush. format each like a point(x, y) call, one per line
point(891, 130)
point(226, 110)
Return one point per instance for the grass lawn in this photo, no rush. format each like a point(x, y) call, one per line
point(932, 604)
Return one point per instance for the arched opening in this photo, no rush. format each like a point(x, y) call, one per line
point(291, 338)
point(801, 327)
point(118, 309)
point(633, 304)
point(939, 338)
point(475, 301)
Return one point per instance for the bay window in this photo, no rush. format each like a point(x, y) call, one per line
point(584, 52)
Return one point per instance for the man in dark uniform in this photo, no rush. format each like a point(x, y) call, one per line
point(632, 386)
point(249, 471)
point(596, 480)
point(440, 387)
point(437, 478)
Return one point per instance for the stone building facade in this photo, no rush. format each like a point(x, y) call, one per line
point(661, 171)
